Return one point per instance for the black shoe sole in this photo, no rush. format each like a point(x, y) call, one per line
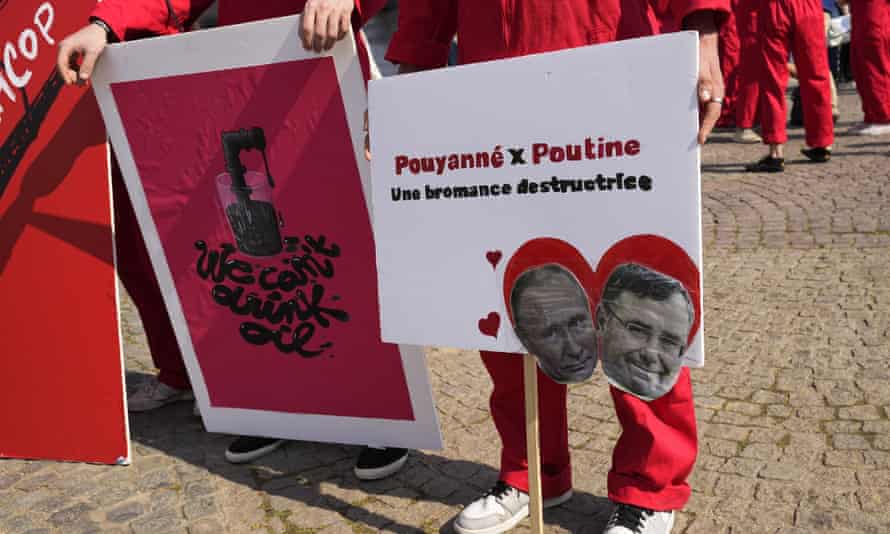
point(816, 155)
point(767, 164)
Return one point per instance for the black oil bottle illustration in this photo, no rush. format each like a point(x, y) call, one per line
point(246, 196)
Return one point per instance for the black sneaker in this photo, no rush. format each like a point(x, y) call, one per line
point(376, 463)
point(767, 164)
point(248, 448)
point(817, 154)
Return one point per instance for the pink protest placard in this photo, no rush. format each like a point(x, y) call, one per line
point(254, 206)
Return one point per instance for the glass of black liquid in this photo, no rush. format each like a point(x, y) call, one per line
point(250, 213)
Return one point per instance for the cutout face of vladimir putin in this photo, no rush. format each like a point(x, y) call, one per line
point(553, 321)
point(643, 322)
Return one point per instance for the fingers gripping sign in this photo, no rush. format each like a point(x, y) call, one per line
point(710, 79)
point(78, 53)
point(710, 85)
point(325, 22)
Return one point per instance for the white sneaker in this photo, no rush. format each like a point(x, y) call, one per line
point(500, 509)
point(865, 128)
point(629, 519)
point(153, 394)
point(746, 135)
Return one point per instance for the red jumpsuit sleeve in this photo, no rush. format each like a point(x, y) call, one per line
point(364, 10)
point(681, 8)
point(425, 31)
point(134, 18)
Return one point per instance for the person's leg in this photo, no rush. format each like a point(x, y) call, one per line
point(653, 457)
point(508, 412)
point(506, 504)
point(811, 57)
point(730, 51)
point(137, 274)
point(774, 44)
point(834, 109)
point(748, 93)
point(870, 57)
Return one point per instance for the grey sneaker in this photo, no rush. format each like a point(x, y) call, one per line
point(500, 509)
point(746, 135)
point(629, 519)
point(153, 394)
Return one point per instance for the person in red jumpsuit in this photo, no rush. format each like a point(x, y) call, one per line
point(656, 451)
point(324, 22)
point(795, 26)
point(730, 56)
point(870, 58)
point(748, 78)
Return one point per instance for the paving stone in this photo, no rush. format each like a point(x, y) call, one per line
point(860, 413)
point(850, 441)
point(125, 512)
point(70, 515)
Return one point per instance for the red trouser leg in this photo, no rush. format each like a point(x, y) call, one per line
point(870, 56)
point(508, 412)
point(729, 62)
point(811, 58)
point(656, 451)
point(135, 270)
point(775, 35)
point(748, 83)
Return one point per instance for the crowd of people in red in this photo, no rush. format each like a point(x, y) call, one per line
point(766, 41)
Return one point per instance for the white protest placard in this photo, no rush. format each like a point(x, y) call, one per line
point(484, 170)
point(268, 272)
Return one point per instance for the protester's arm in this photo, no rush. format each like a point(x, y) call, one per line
point(131, 18)
point(710, 79)
point(423, 38)
point(120, 20)
point(706, 17)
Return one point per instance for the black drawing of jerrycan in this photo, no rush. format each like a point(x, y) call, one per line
point(246, 196)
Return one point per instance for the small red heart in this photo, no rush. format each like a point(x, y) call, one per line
point(493, 257)
point(489, 325)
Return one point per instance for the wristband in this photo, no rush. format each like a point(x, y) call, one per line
point(109, 35)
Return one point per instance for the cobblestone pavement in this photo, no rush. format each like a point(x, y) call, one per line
point(793, 404)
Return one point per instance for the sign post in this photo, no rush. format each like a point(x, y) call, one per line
point(533, 440)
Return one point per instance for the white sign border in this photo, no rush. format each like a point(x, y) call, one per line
point(265, 42)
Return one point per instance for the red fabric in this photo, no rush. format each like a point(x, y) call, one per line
point(508, 411)
point(135, 271)
point(656, 451)
point(134, 19)
point(131, 19)
point(651, 461)
point(730, 50)
point(495, 29)
point(870, 57)
point(796, 26)
point(748, 78)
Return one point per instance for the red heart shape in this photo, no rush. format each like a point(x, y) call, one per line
point(490, 325)
point(493, 257)
point(652, 251)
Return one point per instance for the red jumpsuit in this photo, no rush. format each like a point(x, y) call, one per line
point(870, 49)
point(656, 451)
point(748, 79)
point(796, 26)
point(730, 51)
point(132, 19)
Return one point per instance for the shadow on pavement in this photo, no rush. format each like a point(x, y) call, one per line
point(320, 475)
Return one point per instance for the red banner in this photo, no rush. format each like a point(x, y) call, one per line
point(61, 393)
